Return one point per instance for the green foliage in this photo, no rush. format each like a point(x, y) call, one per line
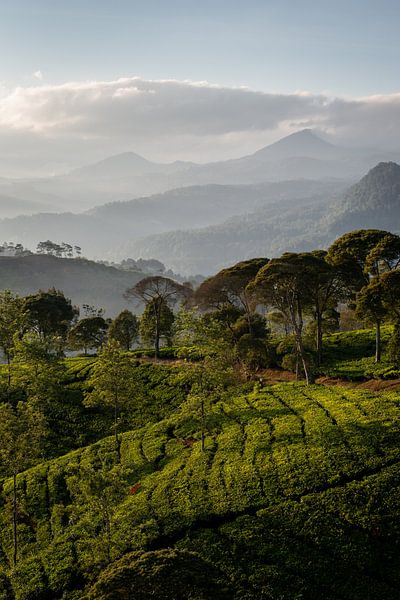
point(394, 345)
point(50, 313)
point(125, 329)
point(148, 325)
point(88, 333)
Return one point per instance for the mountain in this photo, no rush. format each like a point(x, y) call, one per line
point(125, 165)
point(302, 155)
point(374, 199)
point(84, 281)
point(270, 230)
point(107, 231)
point(301, 143)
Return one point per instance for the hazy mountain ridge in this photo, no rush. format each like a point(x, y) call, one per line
point(128, 175)
point(373, 202)
point(105, 232)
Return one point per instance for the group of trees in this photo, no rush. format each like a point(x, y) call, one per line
point(301, 292)
point(62, 250)
point(304, 292)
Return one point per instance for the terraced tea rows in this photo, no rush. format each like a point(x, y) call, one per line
point(309, 470)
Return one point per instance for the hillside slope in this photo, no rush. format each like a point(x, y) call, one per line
point(295, 496)
point(84, 281)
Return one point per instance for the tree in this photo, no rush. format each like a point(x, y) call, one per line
point(50, 313)
point(207, 381)
point(112, 385)
point(21, 433)
point(40, 374)
point(158, 292)
point(285, 284)
point(125, 329)
point(329, 285)
point(12, 322)
point(228, 288)
point(148, 325)
point(380, 299)
point(370, 308)
point(375, 252)
point(88, 333)
point(97, 491)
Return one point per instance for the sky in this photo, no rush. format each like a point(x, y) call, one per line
point(179, 79)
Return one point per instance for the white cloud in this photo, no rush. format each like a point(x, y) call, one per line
point(170, 119)
point(38, 75)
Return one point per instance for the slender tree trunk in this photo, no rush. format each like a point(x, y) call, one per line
point(202, 427)
point(8, 370)
point(319, 338)
point(157, 314)
point(307, 373)
point(378, 342)
point(298, 328)
point(117, 442)
point(14, 518)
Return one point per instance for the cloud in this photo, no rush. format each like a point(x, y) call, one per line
point(168, 119)
point(37, 75)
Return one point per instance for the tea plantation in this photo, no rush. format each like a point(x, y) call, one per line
point(295, 496)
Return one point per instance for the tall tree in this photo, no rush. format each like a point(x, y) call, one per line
point(125, 329)
point(21, 433)
point(375, 252)
point(12, 321)
point(285, 284)
point(329, 285)
point(228, 288)
point(148, 328)
point(88, 333)
point(158, 292)
point(112, 385)
point(382, 296)
point(50, 313)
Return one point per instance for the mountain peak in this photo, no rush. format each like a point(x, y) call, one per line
point(303, 143)
point(118, 165)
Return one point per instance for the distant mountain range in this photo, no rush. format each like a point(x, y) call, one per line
point(106, 232)
point(199, 229)
point(302, 155)
point(373, 202)
point(202, 227)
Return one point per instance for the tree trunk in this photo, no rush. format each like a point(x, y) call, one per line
point(157, 314)
point(14, 517)
point(307, 373)
point(378, 342)
point(319, 338)
point(8, 370)
point(117, 443)
point(202, 427)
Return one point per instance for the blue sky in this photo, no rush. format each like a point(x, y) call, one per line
point(345, 48)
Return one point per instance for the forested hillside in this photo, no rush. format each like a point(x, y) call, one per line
point(84, 281)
